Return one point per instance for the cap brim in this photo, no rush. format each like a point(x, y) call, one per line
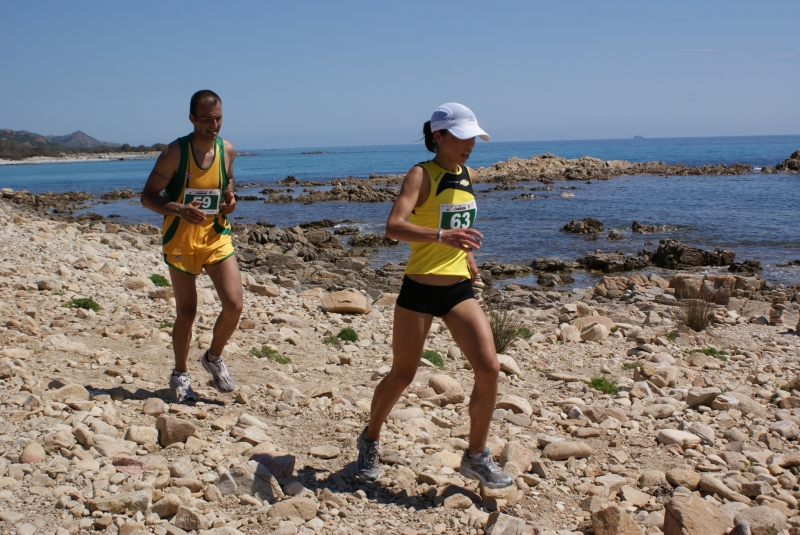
point(468, 132)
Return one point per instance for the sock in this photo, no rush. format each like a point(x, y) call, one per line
point(176, 373)
point(365, 438)
point(477, 455)
point(211, 357)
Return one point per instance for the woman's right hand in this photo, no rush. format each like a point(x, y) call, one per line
point(463, 239)
point(189, 212)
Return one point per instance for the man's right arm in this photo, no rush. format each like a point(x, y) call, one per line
point(166, 166)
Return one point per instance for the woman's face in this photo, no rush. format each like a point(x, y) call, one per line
point(452, 148)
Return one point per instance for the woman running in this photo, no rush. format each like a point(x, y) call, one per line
point(435, 212)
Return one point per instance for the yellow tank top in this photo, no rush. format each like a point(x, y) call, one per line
point(450, 204)
point(192, 182)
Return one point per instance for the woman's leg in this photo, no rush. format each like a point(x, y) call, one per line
point(470, 330)
point(408, 340)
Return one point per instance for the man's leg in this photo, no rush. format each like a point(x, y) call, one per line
point(228, 283)
point(185, 290)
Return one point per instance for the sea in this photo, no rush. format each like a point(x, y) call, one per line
point(755, 215)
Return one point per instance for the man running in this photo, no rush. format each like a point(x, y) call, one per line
point(192, 186)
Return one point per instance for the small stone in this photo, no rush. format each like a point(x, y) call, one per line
point(189, 519)
point(503, 524)
point(167, 506)
point(564, 449)
point(683, 478)
point(172, 429)
point(762, 520)
point(32, 453)
point(681, 438)
point(614, 521)
point(154, 407)
point(297, 507)
point(325, 451)
point(691, 515)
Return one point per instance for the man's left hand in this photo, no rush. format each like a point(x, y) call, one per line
point(229, 205)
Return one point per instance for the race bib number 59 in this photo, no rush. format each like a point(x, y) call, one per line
point(208, 198)
point(457, 215)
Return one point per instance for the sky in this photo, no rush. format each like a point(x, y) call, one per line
point(321, 73)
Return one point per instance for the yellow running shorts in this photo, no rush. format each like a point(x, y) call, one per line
point(193, 263)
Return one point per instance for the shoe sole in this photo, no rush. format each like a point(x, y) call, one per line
point(471, 474)
point(369, 477)
point(214, 377)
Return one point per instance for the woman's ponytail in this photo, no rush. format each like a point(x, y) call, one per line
point(430, 143)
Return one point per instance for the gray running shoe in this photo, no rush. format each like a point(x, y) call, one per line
point(368, 465)
point(219, 372)
point(483, 468)
point(181, 386)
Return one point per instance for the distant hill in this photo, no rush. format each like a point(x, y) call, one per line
point(21, 144)
point(76, 140)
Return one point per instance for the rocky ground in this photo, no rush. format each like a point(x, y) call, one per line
point(612, 416)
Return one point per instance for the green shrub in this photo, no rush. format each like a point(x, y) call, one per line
point(542, 370)
point(159, 280)
point(697, 309)
point(614, 329)
point(505, 325)
point(525, 333)
point(86, 303)
point(712, 352)
point(332, 341)
point(604, 385)
point(166, 325)
point(671, 336)
point(347, 335)
point(433, 357)
point(267, 352)
point(786, 388)
point(632, 365)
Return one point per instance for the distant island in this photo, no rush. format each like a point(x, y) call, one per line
point(638, 137)
point(19, 144)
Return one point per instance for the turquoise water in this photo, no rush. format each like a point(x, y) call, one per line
point(755, 215)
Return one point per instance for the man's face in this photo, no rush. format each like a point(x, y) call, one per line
point(208, 119)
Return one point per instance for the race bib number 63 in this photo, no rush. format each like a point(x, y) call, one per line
point(208, 198)
point(457, 215)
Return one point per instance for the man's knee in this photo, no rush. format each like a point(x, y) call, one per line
point(232, 306)
point(186, 311)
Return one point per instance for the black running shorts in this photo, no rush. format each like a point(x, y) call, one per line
point(434, 300)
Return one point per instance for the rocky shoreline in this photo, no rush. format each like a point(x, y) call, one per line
point(613, 416)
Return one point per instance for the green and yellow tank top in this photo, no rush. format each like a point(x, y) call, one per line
point(191, 182)
point(450, 204)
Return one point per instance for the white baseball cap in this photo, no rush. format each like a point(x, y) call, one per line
point(458, 120)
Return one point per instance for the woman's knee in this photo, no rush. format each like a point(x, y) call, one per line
point(486, 368)
point(402, 378)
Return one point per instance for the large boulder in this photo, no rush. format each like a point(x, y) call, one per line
point(345, 301)
point(614, 521)
point(587, 225)
point(691, 515)
point(172, 429)
point(763, 520)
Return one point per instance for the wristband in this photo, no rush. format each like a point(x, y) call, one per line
point(439, 236)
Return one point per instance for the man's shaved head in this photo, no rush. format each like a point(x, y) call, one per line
point(204, 97)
